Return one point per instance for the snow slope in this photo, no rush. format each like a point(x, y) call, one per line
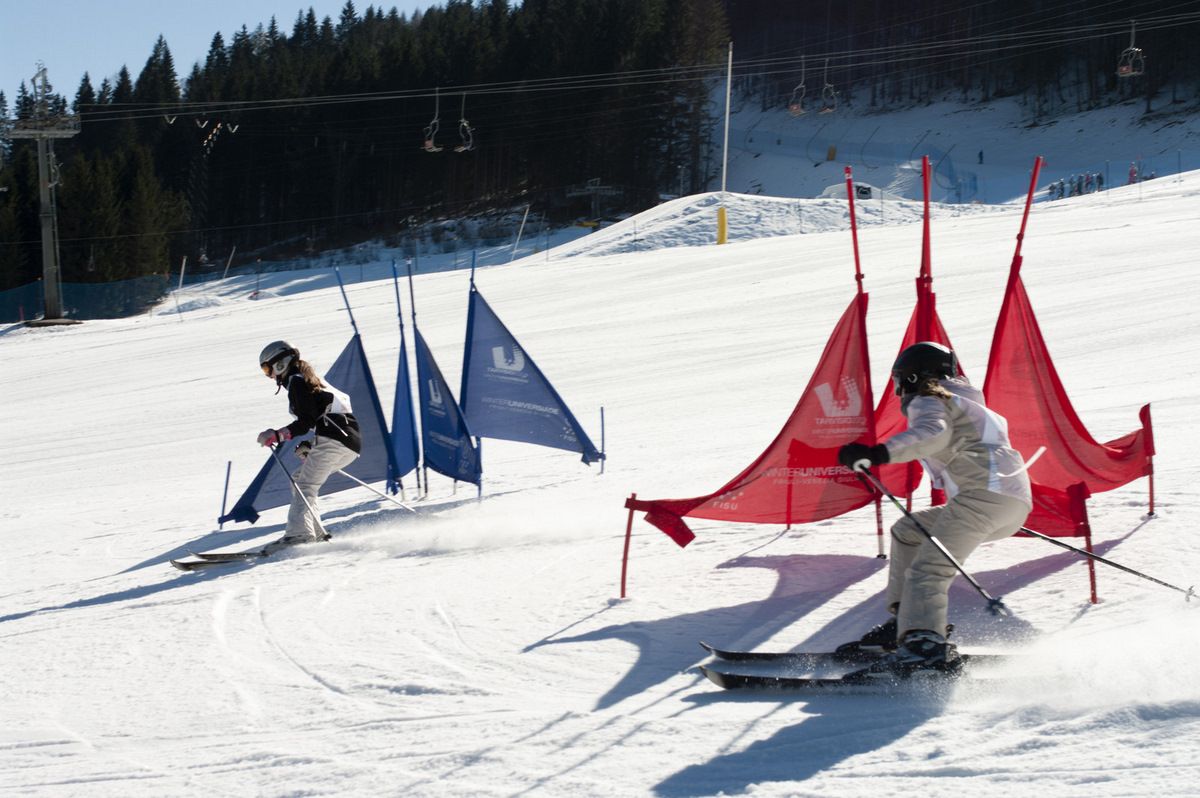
point(478, 649)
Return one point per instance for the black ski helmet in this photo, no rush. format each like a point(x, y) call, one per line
point(276, 357)
point(922, 361)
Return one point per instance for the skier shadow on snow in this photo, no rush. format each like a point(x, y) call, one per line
point(670, 645)
point(835, 728)
point(840, 727)
point(361, 513)
point(225, 540)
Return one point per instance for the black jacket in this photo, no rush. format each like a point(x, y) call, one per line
point(311, 409)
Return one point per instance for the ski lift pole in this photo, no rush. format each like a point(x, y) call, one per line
point(1188, 593)
point(995, 606)
point(516, 243)
point(722, 219)
point(228, 261)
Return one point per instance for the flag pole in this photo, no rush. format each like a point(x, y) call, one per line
point(412, 303)
point(403, 350)
point(866, 355)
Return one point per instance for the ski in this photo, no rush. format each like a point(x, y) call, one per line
point(745, 681)
point(215, 558)
point(805, 659)
point(813, 659)
point(198, 565)
point(229, 556)
point(858, 680)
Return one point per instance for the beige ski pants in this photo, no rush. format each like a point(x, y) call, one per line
point(919, 576)
point(326, 457)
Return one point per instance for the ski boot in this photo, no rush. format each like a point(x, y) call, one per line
point(920, 653)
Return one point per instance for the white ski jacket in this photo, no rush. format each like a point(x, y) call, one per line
point(961, 443)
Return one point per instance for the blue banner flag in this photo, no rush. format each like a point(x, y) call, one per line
point(404, 424)
point(377, 463)
point(506, 396)
point(444, 432)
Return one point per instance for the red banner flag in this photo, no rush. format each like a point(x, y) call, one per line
point(797, 479)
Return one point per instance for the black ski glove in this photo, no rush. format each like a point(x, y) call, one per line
point(857, 456)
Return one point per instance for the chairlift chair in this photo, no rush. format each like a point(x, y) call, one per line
point(796, 104)
point(430, 143)
point(465, 131)
point(828, 94)
point(1131, 62)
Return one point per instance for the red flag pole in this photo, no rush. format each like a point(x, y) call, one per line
point(1014, 271)
point(866, 355)
point(1016, 261)
point(925, 312)
point(628, 535)
point(858, 275)
point(926, 245)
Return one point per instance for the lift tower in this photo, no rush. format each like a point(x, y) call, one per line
point(44, 126)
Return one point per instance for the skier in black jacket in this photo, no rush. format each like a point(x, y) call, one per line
point(315, 404)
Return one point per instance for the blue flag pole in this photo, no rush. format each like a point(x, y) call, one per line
point(603, 456)
point(395, 421)
point(225, 495)
point(412, 306)
point(338, 273)
point(400, 317)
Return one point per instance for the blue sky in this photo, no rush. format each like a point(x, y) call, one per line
point(75, 36)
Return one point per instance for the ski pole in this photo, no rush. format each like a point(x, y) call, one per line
point(381, 494)
point(995, 605)
point(316, 518)
point(1187, 594)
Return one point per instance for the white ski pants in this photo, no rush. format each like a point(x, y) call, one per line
point(919, 575)
point(326, 457)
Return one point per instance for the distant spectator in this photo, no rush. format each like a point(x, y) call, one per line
point(1133, 174)
point(1099, 181)
point(981, 157)
point(1087, 183)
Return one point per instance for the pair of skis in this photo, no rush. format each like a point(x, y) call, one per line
point(213, 559)
point(860, 677)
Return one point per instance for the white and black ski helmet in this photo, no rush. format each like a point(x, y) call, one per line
point(276, 357)
point(920, 362)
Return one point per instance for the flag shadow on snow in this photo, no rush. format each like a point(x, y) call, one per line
point(804, 583)
point(668, 645)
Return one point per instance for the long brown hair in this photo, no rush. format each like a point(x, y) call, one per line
point(930, 386)
point(310, 376)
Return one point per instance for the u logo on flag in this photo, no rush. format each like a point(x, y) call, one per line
point(850, 404)
point(503, 361)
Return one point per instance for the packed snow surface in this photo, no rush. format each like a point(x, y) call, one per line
point(480, 647)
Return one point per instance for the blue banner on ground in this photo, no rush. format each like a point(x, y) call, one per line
point(377, 463)
point(444, 431)
point(506, 396)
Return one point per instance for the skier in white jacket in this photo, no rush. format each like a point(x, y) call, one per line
point(965, 449)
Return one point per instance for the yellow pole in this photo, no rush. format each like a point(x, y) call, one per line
point(722, 223)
